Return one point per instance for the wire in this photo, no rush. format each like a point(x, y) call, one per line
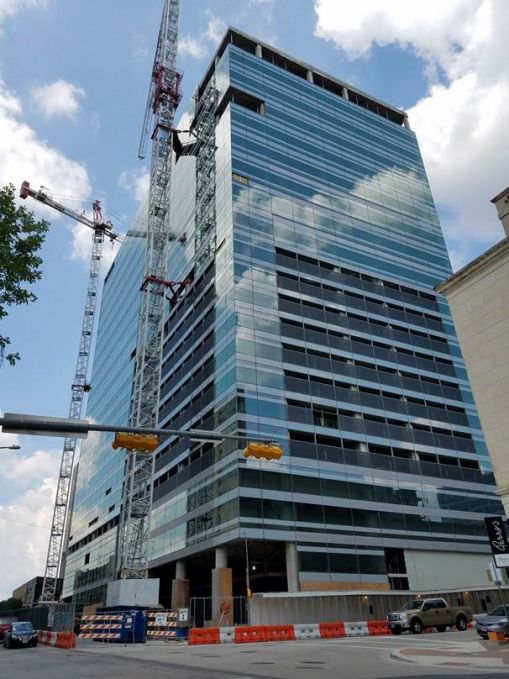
point(25, 523)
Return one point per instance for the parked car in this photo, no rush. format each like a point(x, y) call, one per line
point(494, 621)
point(422, 614)
point(4, 624)
point(20, 634)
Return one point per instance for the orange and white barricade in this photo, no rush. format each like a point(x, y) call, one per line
point(101, 626)
point(162, 624)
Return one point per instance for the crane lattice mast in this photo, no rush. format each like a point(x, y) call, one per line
point(163, 98)
point(80, 385)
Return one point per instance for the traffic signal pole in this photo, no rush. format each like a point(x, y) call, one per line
point(40, 425)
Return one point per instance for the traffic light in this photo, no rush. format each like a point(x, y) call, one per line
point(263, 451)
point(145, 443)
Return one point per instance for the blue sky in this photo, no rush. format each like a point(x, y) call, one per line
point(73, 83)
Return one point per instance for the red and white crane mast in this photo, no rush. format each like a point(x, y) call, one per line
point(163, 99)
point(80, 385)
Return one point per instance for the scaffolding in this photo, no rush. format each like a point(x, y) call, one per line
point(163, 99)
point(204, 128)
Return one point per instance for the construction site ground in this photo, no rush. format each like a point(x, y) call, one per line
point(452, 654)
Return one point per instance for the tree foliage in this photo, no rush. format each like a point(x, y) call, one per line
point(21, 237)
point(10, 604)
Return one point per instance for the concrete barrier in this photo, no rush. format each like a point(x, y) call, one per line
point(57, 639)
point(263, 633)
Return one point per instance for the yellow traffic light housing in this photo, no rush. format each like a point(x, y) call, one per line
point(145, 443)
point(263, 451)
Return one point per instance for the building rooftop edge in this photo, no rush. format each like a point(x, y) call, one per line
point(487, 257)
point(500, 195)
point(231, 30)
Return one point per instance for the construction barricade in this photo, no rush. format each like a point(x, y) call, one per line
point(378, 628)
point(279, 632)
point(162, 624)
point(57, 639)
point(262, 633)
point(332, 630)
point(356, 629)
point(303, 631)
point(114, 626)
point(247, 635)
point(203, 635)
point(226, 635)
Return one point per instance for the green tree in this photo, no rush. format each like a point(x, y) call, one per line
point(10, 604)
point(21, 237)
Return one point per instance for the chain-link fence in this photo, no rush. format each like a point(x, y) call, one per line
point(53, 617)
point(215, 611)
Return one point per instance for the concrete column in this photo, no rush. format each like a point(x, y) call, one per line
point(309, 76)
point(292, 567)
point(221, 557)
point(222, 590)
point(406, 123)
point(258, 51)
point(180, 587)
point(344, 93)
point(180, 570)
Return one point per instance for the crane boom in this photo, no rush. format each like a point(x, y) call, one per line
point(46, 199)
point(79, 387)
point(164, 97)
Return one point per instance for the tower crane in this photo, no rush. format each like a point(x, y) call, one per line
point(163, 99)
point(80, 385)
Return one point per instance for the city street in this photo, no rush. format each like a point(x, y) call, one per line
point(353, 658)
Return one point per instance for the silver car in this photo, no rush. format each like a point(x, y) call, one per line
point(495, 621)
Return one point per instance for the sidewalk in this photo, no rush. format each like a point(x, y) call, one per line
point(474, 655)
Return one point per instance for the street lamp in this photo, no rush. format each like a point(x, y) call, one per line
point(13, 447)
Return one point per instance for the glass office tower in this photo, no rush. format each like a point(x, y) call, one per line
point(312, 321)
point(302, 214)
point(90, 556)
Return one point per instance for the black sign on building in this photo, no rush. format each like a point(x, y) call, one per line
point(498, 540)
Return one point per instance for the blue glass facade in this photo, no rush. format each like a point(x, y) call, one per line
point(90, 557)
point(316, 324)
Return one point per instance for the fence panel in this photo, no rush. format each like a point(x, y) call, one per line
point(218, 611)
point(54, 617)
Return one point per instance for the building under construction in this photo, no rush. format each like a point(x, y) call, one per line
point(304, 228)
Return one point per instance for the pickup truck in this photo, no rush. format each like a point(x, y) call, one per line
point(421, 614)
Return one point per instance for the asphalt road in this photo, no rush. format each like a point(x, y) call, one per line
point(353, 658)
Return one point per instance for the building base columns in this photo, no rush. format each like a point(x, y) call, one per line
point(292, 567)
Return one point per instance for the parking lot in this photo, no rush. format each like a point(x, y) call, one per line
point(428, 655)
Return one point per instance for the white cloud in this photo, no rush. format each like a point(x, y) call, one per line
point(23, 155)
point(203, 44)
point(59, 98)
point(135, 182)
point(192, 47)
point(20, 469)
point(25, 519)
point(10, 7)
point(461, 120)
point(215, 30)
